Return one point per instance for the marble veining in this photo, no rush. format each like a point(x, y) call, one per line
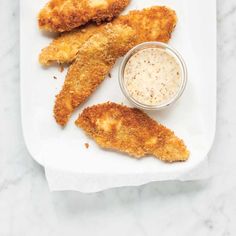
point(169, 208)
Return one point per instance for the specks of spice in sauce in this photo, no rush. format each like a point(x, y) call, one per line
point(152, 76)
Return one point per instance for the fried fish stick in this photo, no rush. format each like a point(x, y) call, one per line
point(97, 56)
point(95, 59)
point(65, 15)
point(154, 23)
point(131, 131)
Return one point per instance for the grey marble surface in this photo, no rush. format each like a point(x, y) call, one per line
point(169, 208)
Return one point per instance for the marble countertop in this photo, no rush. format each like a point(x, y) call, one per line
point(27, 207)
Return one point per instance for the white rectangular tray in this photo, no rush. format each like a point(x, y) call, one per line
point(63, 151)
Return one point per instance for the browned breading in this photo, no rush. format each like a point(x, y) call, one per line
point(96, 57)
point(65, 15)
point(154, 23)
point(130, 130)
point(151, 24)
point(64, 49)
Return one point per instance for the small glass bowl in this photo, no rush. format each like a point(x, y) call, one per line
point(171, 51)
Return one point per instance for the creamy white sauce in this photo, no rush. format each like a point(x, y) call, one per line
point(152, 76)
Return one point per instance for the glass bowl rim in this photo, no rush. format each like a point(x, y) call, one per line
point(140, 47)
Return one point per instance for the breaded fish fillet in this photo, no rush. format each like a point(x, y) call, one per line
point(96, 57)
point(95, 60)
point(154, 23)
point(130, 130)
point(65, 15)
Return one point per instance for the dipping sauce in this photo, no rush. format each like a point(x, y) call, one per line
point(152, 76)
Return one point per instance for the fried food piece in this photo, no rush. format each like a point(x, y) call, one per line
point(151, 24)
point(130, 130)
point(63, 50)
point(65, 15)
point(97, 56)
point(95, 59)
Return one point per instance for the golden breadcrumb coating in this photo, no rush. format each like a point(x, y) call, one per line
point(151, 24)
point(96, 56)
point(65, 15)
point(154, 23)
point(63, 50)
point(130, 130)
point(95, 59)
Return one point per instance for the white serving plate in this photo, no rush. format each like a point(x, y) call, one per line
point(192, 117)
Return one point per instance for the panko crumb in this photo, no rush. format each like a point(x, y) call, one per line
point(61, 68)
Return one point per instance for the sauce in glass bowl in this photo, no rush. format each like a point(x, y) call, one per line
point(153, 75)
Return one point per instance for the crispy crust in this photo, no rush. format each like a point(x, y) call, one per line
point(96, 57)
point(65, 15)
point(63, 50)
point(130, 130)
point(152, 24)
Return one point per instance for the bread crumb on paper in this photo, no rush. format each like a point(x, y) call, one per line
point(61, 68)
point(86, 145)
